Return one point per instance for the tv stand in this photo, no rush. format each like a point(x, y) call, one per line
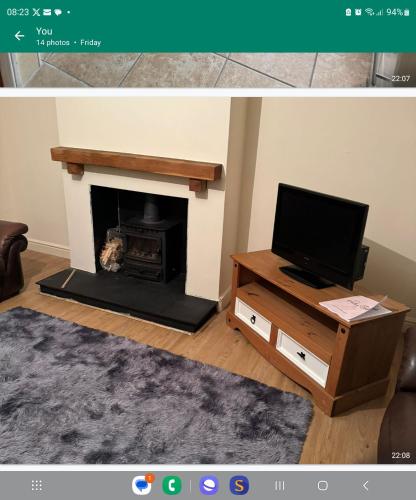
point(342, 364)
point(306, 277)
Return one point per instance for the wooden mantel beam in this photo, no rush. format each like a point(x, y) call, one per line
point(198, 173)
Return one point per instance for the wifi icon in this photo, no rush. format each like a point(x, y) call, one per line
point(369, 12)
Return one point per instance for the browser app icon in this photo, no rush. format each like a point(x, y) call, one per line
point(208, 485)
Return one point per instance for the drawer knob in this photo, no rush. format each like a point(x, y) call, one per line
point(253, 319)
point(302, 355)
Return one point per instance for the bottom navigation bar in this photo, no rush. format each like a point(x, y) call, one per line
point(287, 485)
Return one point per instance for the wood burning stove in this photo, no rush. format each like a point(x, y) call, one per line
point(153, 231)
point(152, 252)
point(152, 244)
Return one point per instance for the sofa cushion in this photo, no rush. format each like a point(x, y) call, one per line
point(398, 431)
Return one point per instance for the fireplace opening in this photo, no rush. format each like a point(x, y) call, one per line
point(138, 234)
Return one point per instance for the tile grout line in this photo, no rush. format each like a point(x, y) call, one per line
point(131, 69)
point(50, 54)
point(67, 73)
point(217, 54)
point(221, 72)
point(262, 73)
point(313, 69)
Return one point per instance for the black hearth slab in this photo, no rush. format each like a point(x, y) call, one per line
point(164, 303)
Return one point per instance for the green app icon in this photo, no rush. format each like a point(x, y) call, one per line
point(172, 485)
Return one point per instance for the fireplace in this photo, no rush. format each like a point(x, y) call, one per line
point(146, 236)
point(150, 229)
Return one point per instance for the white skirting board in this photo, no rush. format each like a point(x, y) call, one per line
point(49, 248)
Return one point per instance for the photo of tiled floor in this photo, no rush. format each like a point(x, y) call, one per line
point(190, 70)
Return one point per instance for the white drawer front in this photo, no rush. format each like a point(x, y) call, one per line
point(301, 357)
point(253, 319)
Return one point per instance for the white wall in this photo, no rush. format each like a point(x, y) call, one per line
point(189, 128)
point(360, 148)
point(30, 182)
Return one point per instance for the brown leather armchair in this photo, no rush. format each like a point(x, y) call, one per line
point(12, 243)
point(397, 441)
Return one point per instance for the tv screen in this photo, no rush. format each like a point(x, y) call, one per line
point(320, 233)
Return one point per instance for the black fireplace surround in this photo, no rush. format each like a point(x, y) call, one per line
point(150, 283)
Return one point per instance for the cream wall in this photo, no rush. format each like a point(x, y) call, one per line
point(363, 149)
point(180, 127)
point(251, 138)
point(31, 188)
point(235, 162)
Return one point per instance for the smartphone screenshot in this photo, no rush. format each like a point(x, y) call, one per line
point(207, 250)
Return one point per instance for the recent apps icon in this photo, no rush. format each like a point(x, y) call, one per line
point(239, 485)
point(142, 485)
point(208, 485)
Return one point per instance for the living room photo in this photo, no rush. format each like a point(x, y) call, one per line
point(207, 280)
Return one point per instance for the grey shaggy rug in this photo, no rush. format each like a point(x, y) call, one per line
point(71, 395)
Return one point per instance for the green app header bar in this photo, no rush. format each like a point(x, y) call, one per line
point(208, 26)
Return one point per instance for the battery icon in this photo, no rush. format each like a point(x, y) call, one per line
point(406, 12)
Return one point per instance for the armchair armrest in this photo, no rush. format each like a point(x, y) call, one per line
point(9, 231)
point(407, 375)
point(2, 273)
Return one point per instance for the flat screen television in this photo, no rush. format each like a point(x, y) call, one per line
point(322, 235)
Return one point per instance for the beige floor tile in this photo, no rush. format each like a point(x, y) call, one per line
point(235, 75)
point(342, 70)
point(176, 70)
point(97, 70)
point(292, 68)
point(48, 76)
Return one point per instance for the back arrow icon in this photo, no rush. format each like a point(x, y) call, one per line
point(19, 36)
point(365, 485)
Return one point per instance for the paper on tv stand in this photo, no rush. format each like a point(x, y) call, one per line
point(356, 308)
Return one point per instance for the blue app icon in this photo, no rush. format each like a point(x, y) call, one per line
point(239, 485)
point(208, 485)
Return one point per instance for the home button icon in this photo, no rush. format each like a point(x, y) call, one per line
point(323, 485)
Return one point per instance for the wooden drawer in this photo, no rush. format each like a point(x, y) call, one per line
point(253, 319)
point(302, 358)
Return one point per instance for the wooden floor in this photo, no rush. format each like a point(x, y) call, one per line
point(349, 438)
